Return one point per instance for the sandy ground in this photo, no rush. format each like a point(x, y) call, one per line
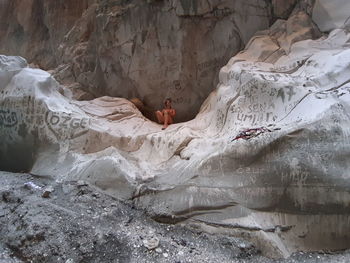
point(76, 223)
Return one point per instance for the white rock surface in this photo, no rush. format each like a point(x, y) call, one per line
point(287, 190)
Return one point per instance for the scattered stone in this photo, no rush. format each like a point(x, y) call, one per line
point(242, 245)
point(32, 186)
point(67, 188)
point(96, 195)
point(66, 237)
point(47, 191)
point(81, 183)
point(151, 243)
point(6, 196)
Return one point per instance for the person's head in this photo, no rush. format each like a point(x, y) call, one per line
point(167, 103)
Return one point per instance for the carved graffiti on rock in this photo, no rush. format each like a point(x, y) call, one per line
point(216, 62)
point(256, 117)
point(182, 100)
point(36, 116)
point(221, 12)
point(64, 120)
point(8, 118)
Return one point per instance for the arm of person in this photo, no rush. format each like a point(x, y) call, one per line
point(172, 112)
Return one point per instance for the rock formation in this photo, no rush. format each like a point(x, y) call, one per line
point(145, 49)
point(266, 157)
point(34, 28)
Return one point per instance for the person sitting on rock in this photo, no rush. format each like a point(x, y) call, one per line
point(166, 115)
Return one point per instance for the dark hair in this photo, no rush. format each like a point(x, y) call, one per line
point(167, 99)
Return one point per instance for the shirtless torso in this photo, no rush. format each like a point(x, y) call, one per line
point(166, 116)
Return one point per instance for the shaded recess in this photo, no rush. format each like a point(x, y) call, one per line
point(148, 50)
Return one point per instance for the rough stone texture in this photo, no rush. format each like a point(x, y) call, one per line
point(35, 28)
point(331, 14)
point(145, 49)
point(282, 9)
point(79, 224)
point(286, 190)
point(161, 49)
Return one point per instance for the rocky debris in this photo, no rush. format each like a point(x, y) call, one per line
point(151, 243)
point(60, 230)
point(81, 183)
point(251, 133)
point(32, 186)
point(6, 257)
point(47, 192)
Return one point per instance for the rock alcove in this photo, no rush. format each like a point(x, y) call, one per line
point(291, 78)
point(148, 50)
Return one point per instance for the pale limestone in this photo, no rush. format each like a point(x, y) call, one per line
point(286, 190)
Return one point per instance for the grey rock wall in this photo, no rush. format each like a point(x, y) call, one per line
point(331, 14)
point(154, 50)
point(35, 28)
point(145, 49)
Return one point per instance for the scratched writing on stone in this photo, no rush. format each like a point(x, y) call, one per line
point(252, 107)
point(256, 117)
point(233, 75)
point(295, 176)
point(221, 12)
point(220, 119)
point(64, 120)
point(290, 92)
point(251, 170)
point(210, 63)
point(8, 118)
point(182, 100)
point(260, 107)
point(246, 88)
point(176, 86)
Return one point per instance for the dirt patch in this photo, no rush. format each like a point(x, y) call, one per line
point(76, 223)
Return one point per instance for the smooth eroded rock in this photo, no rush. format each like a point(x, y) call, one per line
point(285, 187)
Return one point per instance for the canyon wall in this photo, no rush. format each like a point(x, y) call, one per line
point(150, 50)
point(34, 28)
point(266, 158)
